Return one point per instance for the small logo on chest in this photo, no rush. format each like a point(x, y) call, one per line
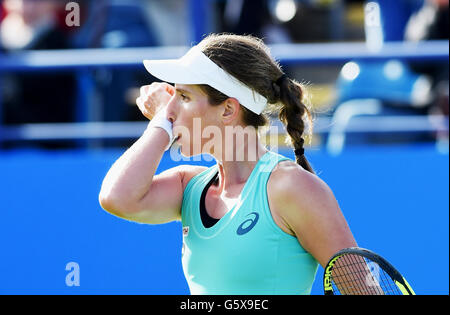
point(185, 230)
point(248, 224)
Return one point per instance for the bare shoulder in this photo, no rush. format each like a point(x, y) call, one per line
point(291, 188)
point(289, 178)
point(307, 208)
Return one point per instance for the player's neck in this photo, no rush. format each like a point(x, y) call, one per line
point(236, 172)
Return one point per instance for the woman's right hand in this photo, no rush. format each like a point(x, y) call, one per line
point(130, 189)
point(153, 97)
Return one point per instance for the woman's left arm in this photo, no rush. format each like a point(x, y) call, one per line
point(308, 207)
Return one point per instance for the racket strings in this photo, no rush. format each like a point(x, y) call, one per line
point(349, 276)
point(357, 275)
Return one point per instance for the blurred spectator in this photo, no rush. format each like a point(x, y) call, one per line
point(253, 18)
point(30, 25)
point(244, 17)
point(35, 97)
point(169, 19)
point(117, 24)
point(431, 22)
point(284, 21)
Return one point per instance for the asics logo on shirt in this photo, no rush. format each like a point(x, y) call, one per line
point(248, 224)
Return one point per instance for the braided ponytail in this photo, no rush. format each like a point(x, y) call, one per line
point(291, 114)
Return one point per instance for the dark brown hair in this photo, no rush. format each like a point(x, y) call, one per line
point(248, 59)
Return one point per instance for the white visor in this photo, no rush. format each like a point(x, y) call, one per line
point(195, 68)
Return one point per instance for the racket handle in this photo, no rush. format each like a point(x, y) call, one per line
point(160, 121)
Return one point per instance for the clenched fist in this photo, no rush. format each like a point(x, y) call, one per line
point(153, 97)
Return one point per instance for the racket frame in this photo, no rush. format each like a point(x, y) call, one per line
point(398, 279)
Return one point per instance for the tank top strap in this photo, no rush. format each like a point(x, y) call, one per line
point(267, 163)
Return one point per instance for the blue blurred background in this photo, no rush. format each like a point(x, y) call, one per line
point(377, 73)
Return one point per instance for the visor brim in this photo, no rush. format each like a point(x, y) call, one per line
point(172, 71)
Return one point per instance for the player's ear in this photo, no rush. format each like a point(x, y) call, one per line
point(231, 110)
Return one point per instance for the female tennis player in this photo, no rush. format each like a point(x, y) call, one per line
point(258, 224)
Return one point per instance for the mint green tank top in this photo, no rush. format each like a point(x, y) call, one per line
point(245, 252)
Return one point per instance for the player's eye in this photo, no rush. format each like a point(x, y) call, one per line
point(184, 97)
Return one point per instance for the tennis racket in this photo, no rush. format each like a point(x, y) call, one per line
point(359, 271)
